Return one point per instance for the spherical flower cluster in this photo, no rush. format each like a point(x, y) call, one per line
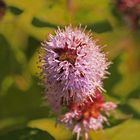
point(73, 67)
point(89, 116)
point(131, 11)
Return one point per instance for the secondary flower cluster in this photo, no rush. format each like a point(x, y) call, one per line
point(131, 11)
point(88, 116)
point(73, 68)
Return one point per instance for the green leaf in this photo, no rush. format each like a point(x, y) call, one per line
point(128, 130)
point(135, 94)
point(60, 132)
point(27, 134)
point(135, 104)
point(115, 76)
point(32, 45)
point(23, 103)
point(15, 10)
point(7, 55)
point(129, 110)
point(100, 27)
point(39, 23)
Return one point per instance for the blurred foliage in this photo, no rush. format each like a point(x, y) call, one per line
point(27, 134)
point(60, 132)
point(23, 25)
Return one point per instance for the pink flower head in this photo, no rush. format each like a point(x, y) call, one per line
point(73, 67)
point(89, 116)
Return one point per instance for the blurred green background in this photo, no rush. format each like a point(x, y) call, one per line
point(23, 25)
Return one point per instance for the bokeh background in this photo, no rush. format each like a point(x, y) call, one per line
point(23, 25)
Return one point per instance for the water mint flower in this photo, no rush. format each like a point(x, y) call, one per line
point(73, 67)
